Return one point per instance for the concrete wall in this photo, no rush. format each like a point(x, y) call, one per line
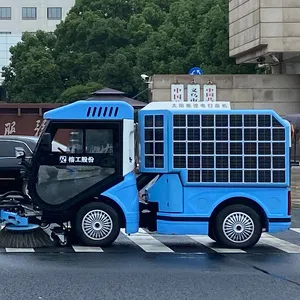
point(260, 27)
point(278, 92)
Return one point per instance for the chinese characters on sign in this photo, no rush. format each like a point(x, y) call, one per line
point(76, 159)
point(209, 92)
point(10, 128)
point(177, 92)
point(202, 105)
point(39, 127)
point(193, 92)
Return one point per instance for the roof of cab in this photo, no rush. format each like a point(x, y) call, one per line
point(92, 110)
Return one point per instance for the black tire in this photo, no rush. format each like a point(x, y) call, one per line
point(254, 228)
point(114, 228)
point(211, 233)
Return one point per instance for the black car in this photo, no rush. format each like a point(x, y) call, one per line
point(11, 172)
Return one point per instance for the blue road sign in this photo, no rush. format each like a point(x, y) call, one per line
point(196, 71)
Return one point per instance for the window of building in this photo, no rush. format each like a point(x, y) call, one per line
point(29, 13)
point(5, 13)
point(54, 13)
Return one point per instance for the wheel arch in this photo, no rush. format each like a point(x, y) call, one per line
point(239, 200)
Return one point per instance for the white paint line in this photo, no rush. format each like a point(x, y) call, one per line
point(295, 229)
point(207, 242)
point(147, 242)
point(17, 250)
point(279, 243)
point(87, 249)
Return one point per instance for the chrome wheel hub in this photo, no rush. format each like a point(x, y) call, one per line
point(97, 224)
point(238, 227)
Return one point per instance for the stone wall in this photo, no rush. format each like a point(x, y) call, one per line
point(278, 92)
point(260, 27)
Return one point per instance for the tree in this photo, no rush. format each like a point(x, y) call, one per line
point(78, 92)
point(111, 42)
point(33, 75)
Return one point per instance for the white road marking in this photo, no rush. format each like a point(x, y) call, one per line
point(279, 243)
point(207, 242)
point(147, 242)
point(87, 249)
point(295, 229)
point(15, 250)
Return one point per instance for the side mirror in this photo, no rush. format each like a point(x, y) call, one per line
point(19, 152)
point(45, 142)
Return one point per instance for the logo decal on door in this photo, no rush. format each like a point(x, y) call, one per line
point(62, 159)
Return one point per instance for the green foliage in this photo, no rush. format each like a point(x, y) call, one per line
point(79, 92)
point(33, 75)
point(111, 42)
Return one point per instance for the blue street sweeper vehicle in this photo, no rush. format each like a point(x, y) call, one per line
point(204, 169)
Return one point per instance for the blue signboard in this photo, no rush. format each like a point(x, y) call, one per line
point(196, 71)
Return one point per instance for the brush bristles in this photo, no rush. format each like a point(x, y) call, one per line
point(36, 238)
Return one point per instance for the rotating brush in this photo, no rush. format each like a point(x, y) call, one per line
point(31, 236)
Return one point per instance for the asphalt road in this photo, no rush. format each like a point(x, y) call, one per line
point(128, 274)
point(149, 276)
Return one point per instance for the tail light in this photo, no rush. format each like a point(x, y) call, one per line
point(289, 203)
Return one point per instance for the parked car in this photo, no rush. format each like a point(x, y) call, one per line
point(11, 173)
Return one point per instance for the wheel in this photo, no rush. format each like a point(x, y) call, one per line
point(57, 241)
point(97, 224)
point(238, 226)
point(211, 233)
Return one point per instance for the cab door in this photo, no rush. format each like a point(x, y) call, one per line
point(85, 159)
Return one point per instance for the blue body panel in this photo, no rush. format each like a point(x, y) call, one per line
point(92, 110)
point(125, 194)
point(189, 208)
point(182, 227)
point(168, 193)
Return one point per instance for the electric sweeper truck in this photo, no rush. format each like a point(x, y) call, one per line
point(207, 169)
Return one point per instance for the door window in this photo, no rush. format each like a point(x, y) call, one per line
point(84, 151)
point(7, 149)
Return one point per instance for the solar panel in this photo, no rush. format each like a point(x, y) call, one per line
point(154, 141)
point(229, 148)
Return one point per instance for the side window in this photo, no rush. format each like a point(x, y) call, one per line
point(99, 141)
point(68, 140)
point(7, 148)
point(73, 141)
point(59, 182)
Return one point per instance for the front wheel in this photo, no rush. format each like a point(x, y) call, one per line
point(238, 226)
point(97, 224)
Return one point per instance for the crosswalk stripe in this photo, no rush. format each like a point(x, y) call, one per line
point(87, 249)
point(279, 243)
point(207, 241)
point(147, 242)
point(16, 250)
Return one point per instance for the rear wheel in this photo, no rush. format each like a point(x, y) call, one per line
point(238, 226)
point(97, 224)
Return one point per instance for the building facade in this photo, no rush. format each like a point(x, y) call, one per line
point(18, 16)
point(274, 91)
point(266, 32)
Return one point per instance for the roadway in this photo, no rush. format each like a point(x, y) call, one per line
point(154, 267)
